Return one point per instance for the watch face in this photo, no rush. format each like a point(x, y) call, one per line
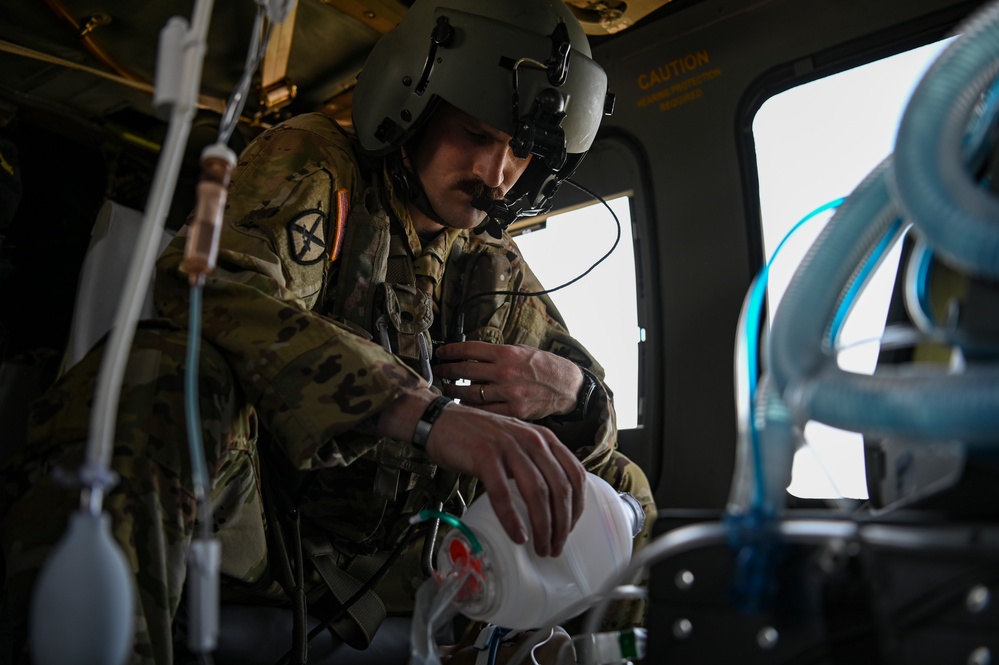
point(585, 393)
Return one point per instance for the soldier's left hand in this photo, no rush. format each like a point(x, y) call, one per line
point(512, 380)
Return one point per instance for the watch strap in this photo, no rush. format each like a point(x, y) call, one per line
point(426, 422)
point(584, 398)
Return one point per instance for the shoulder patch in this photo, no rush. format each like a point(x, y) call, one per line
point(340, 224)
point(307, 237)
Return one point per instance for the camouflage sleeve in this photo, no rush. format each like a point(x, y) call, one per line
point(309, 378)
point(534, 321)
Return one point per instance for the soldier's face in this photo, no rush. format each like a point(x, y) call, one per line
point(459, 159)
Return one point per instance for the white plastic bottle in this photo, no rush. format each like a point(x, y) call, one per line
point(519, 589)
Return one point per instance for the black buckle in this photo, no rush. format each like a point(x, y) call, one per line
point(558, 63)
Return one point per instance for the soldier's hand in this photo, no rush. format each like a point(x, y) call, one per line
point(494, 448)
point(512, 380)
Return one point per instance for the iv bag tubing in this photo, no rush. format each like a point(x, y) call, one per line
point(103, 420)
point(199, 469)
point(922, 405)
point(959, 219)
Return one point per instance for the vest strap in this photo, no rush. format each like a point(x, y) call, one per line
point(365, 615)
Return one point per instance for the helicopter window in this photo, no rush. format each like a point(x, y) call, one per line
point(566, 245)
point(814, 144)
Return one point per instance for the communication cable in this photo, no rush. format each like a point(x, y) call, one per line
point(369, 584)
point(527, 294)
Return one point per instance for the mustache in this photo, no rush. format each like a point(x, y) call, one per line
point(478, 189)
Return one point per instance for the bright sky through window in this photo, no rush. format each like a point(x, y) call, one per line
point(816, 143)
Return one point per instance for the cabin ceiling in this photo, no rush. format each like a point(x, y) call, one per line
point(92, 62)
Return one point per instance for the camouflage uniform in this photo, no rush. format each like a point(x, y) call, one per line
point(312, 269)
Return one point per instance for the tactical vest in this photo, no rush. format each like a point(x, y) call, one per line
point(372, 289)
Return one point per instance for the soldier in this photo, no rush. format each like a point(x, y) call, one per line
point(358, 279)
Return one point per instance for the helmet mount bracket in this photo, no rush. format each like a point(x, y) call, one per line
point(440, 37)
point(538, 132)
point(558, 64)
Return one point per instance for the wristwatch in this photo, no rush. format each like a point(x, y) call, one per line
point(583, 398)
point(422, 432)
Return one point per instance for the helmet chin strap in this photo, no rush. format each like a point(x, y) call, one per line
point(408, 182)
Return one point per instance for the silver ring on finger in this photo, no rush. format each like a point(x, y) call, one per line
point(482, 392)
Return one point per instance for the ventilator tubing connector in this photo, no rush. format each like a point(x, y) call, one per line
point(205, 226)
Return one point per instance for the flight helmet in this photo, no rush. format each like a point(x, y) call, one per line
point(522, 66)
